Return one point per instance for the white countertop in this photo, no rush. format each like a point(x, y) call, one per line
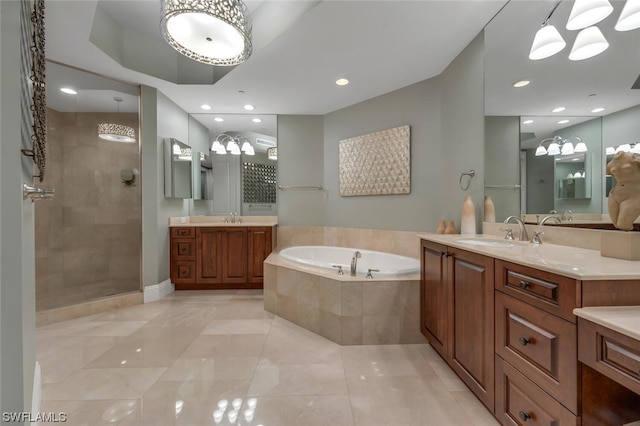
point(579, 263)
point(208, 221)
point(623, 319)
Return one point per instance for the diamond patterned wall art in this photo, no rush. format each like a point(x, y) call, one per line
point(376, 164)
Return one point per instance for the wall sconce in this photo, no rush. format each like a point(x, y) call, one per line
point(233, 145)
point(560, 146)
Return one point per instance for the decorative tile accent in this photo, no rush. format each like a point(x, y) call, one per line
point(376, 164)
point(259, 183)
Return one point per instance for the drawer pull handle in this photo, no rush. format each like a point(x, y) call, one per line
point(523, 285)
point(524, 341)
point(523, 416)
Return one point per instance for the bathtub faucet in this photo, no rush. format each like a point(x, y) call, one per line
point(354, 261)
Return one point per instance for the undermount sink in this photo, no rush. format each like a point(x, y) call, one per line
point(486, 243)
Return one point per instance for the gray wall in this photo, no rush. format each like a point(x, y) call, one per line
point(502, 163)
point(17, 251)
point(463, 131)
point(300, 162)
point(418, 106)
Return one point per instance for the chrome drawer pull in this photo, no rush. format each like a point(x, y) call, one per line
point(524, 341)
point(523, 285)
point(523, 416)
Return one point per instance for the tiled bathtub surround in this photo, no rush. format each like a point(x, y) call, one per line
point(404, 243)
point(88, 237)
point(345, 310)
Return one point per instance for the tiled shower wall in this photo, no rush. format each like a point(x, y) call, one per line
point(88, 237)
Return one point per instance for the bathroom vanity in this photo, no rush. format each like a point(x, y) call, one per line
point(501, 314)
point(212, 254)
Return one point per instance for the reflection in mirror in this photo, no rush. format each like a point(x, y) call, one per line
point(554, 150)
point(241, 177)
point(202, 177)
point(177, 169)
point(603, 87)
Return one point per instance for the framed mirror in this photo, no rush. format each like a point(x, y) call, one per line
point(178, 161)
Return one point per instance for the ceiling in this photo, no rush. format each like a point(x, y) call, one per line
point(302, 46)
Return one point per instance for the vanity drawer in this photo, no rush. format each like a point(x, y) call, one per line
point(183, 232)
point(540, 345)
point(613, 354)
point(520, 402)
point(183, 249)
point(553, 293)
point(183, 272)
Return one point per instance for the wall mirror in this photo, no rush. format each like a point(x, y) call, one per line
point(598, 96)
point(178, 161)
point(243, 178)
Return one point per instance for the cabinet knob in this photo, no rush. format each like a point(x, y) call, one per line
point(523, 416)
point(444, 254)
point(523, 285)
point(524, 341)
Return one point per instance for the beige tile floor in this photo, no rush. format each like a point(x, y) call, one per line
point(216, 357)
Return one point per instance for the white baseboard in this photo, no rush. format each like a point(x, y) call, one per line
point(153, 293)
point(36, 396)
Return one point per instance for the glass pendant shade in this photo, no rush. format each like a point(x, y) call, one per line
point(554, 149)
point(215, 146)
point(629, 17)
point(540, 150)
point(589, 43)
point(547, 42)
point(567, 148)
point(581, 147)
point(588, 12)
point(610, 150)
point(213, 32)
point(636, 148)
point(625, 147)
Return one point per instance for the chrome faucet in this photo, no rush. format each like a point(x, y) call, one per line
point(549, 217)
point(523, 231)
point(567, 215)
point(354, 261)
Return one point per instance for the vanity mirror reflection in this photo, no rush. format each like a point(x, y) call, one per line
point(239, 171)
point(599, 96)
point(178, 162)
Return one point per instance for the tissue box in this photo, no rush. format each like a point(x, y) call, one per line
point(621, 245)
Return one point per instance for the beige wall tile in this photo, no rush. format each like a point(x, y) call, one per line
point(380, 329)
point(330, 326)
point(351, 330)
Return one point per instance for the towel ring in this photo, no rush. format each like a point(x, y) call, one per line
point(471, 174)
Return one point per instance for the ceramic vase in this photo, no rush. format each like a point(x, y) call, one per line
point(451, 228)
point(441, 227)
point(468, 220)
point(489, 209)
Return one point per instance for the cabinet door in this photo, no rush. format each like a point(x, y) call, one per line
point(209, 255)
point(435, 298)
point(471, 276)
point(259, 242)
point(234, 255)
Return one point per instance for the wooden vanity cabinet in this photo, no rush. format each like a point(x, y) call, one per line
point(220, 257)
point(457, 313)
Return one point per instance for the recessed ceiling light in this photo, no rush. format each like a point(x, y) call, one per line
point(257, 120)
point(563, 121)
point(599, 109)
point(559, 109)
point(527, 122)
point(218, 119)
point(249, 107)
point(206, 107)
point(68, 91)
point(342, 81)
point(521, 83)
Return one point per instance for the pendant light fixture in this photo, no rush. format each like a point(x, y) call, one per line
point(548, 40)
point(215, 32)
point(629, 17)
point(559, 146)
point(116, 132)
point(272, 153)
point(232, 145)
point(589, 43)
point(586, 13)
